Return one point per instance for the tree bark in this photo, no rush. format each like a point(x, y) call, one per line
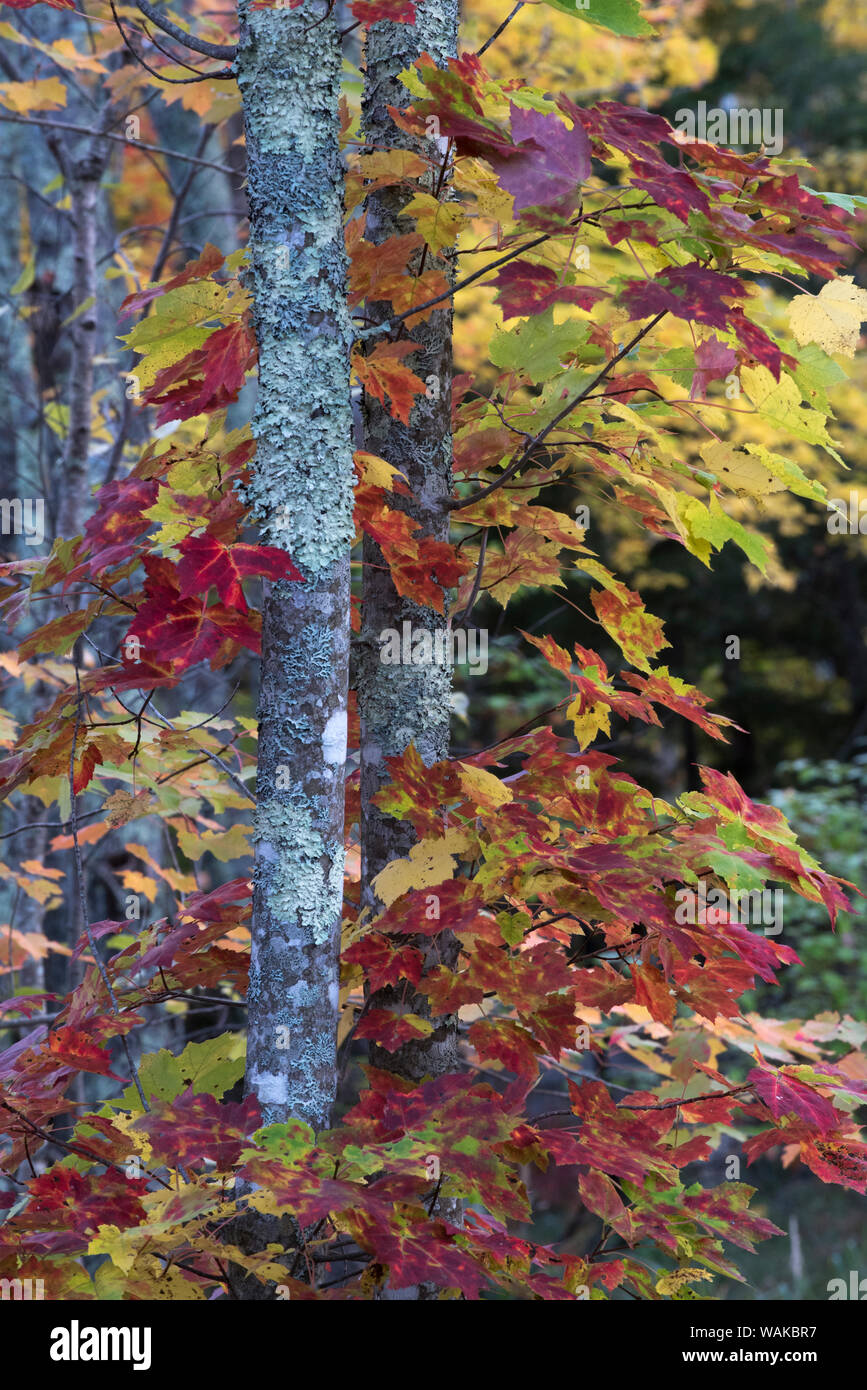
point(301, 493)
point(84, 177)
point(399, 704)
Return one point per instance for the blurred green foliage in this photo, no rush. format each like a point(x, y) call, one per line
point(825, 803)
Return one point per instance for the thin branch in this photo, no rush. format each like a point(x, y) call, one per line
point(497, 32)
point(387, 326)
point(76, 1148)
point(464, 616)
point(168, 238)
point(229, 52)
point(121, 139)
point(688, 1100)
point(154, 72)
point(48, 824)
point(458, 503)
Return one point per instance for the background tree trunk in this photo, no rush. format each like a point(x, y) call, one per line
point(399, 704)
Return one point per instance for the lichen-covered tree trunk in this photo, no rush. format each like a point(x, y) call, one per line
point(288, 69)
point(399, 704)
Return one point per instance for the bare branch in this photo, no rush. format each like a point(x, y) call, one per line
point(498, 31)
point(121, 139)
point(211, 50)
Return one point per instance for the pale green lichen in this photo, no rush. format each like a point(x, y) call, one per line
point(301, 889)
point(300, 492)
point(301, 480)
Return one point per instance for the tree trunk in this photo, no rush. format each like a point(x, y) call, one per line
point(84, 177)
point(399, 704)
point(301, 493)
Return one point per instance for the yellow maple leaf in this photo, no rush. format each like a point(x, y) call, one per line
point(832, 318)
point(430, 862)
point(122, 1247)
point(740, 472)
point(45, 95)
point(225, 845)
point(589, 722)
point(471, 176)
point(376, 472)
point(780, 403)
point(379, 169)
point(135, 882)
point(439, 223)
point(675, 1284)
point(166, 1282)
point(483, 787)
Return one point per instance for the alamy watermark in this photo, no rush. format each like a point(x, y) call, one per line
point(732, 125)
point(847, 518)
point(856, 1288)
point(23, 516)
point(711, 906)
point(24, 1290)
point(419, 646)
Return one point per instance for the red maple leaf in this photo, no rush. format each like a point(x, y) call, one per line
point(385, 960)
point(384, 375)
point(77, 1050)
point(531, 289)
point(178, 632)
point(195, 1127)
point(370, 11)
point(786, 1095)
point(206, 379)
point(421, 567)
point(206, 561)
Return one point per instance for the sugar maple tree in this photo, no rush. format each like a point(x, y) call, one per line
point(536, 903)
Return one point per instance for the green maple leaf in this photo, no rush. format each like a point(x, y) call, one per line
point(620, 16)
point(538, 346)
point(210, 1067)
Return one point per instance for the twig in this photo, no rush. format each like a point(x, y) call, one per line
point(458, 503)
point(229, 52)
point(121, 139)
point(477, 583)
point(82, 1149)
point(176, 81)
point(396, 319)
point(497, 32)
point(49, 824)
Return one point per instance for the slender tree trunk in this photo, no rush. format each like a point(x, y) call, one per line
point(289, 69)
point(399, 704)
point(84, 177)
